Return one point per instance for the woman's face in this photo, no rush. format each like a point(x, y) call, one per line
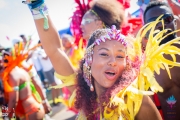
point(66, 43)
point(108, 63)
point(89, 24)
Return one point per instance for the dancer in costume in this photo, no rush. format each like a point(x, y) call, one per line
point(168, 101)
point(20, 92)
point(114, 76)
point(87, 19)
point(32, 72)
point(38, 85)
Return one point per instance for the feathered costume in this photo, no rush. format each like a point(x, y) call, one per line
point(18, 54)
point(145, 63)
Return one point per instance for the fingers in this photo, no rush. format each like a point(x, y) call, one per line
point(26, 2)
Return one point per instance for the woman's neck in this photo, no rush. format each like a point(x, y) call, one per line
point(99, 89)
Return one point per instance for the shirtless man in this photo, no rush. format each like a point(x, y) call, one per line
point(170, 98)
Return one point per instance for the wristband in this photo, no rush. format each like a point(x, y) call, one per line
point(39, 10)
point(32, 72)
point(44, 101)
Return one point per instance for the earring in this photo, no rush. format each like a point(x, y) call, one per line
point(87, 75)
point(91, 85)
point(87, 67)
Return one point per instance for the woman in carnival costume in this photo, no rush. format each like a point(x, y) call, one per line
point(20, 93)
point(89, 17)
point(114, 76)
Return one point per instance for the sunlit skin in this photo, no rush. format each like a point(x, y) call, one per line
point(170, 86)
point(16, 77)
point(107, 57)
point(89, 28)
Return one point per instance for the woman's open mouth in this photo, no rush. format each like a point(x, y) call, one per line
point(110, 75)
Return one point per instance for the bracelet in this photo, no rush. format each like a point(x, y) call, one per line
point(44, 101)
point(39, 10)
point(32, 72)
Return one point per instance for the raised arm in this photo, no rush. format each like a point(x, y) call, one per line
point(52, 45)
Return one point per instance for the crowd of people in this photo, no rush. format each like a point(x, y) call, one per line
point(113, 67)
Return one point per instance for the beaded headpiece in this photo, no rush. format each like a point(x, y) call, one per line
point(112, 34)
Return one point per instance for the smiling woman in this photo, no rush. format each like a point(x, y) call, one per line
point(114, 74)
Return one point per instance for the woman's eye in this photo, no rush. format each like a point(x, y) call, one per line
point(120, 56)
point(104, 54)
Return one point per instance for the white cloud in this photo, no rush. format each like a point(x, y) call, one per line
point(2, 4)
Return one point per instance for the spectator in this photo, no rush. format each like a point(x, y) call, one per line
point(167, 102)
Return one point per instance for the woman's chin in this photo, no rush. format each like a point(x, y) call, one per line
point(106, 86)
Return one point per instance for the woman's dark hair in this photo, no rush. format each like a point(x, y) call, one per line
point(111, 12)
point(86, 99)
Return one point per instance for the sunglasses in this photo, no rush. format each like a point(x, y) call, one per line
point(87, 21)
point(168, 18)
point(140, 2)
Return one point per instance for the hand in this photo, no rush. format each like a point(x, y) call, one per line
point(26, 1)
point(47, 107)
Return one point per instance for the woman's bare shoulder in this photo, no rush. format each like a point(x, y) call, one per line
point(148, 110)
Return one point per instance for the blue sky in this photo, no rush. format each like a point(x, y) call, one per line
point(15, 17)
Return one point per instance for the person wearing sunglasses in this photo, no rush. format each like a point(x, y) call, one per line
point(167, 102)
point(103, 13)
point(175, 5)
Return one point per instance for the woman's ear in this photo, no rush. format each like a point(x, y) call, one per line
point(99, 24)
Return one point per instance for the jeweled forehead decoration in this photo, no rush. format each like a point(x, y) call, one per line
point(112, 34)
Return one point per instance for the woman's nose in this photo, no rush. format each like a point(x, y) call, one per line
point(112, 62)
